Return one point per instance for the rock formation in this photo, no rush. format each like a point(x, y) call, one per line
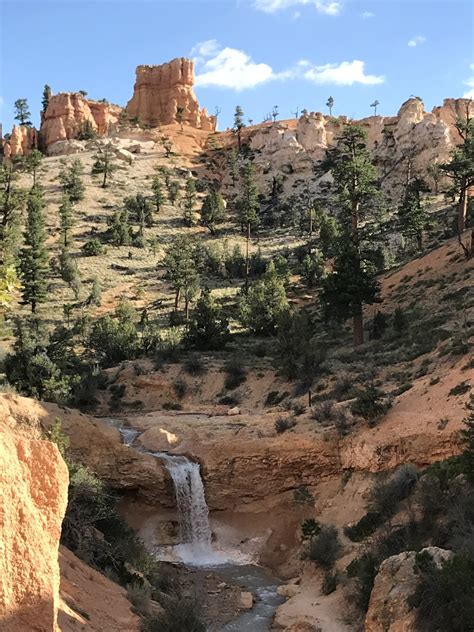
point(33, 498)
point(160, 90)
point(396, 581)
point(22, 140)
point(68, 112)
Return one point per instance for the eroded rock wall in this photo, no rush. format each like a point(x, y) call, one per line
point(160, 90)
point(22, 140)
point(33, 498)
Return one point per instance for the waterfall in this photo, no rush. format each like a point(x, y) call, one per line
point(193, 512)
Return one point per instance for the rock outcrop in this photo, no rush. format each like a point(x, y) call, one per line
point(33, 498)
point(67, 114)
point(160, 92)
point(22, 140)
point(423, 138)
point(396, 581)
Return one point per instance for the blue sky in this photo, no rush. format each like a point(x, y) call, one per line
point(257, 53)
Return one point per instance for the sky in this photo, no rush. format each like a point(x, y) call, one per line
point(293, 54)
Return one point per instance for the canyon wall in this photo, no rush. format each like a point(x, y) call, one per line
point(33, 498)
point(22, 140)
point(68, 112)
point(160, 90)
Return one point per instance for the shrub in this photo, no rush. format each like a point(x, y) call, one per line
point(400, 321)
point(444, 597)
point(324, 547)
point(364, 570)
point(302, 496)
point(180, 388)
point(93, 248)
point(329, 584)
point(364, 527)
point(370, 404)
point(236, 374)
point(178, 616)
point(310, 528)
point(194, 365)
point(139, 595)
point(328, 411)
point(460, 389)
point(386, 496)
point(282, 424)
point(208, 328)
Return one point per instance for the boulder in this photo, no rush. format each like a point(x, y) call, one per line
point(125, 155)
point(246, 601)
point(66, 147)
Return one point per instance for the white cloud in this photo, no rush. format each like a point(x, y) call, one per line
point(415, 41)
point(344, 74)
point(366, 15)
point(325, 7)
point(1, 102)
point(235, 69)
point(232, 68)
point(470, 83)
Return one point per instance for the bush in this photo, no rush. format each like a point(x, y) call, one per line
point(310, 528)
point(364, 527)
point(302, 496)
point(329, 584)
point(194, 365)
point(179, 616)
point(444, 597)
point(282, 424)
point(93, 248)
point(180, 388)
point(327, 411)
point(139, 595)
point(324, 547)
point(370, 404)
point(236, 374)
point(386, 496)
point(364, 570)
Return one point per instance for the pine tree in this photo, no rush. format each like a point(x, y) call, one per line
point(158, 196)
point(264, 303)
point(212, 211)
point(66, 220)
point(12, 200)
point(460, 169)
point(208, 329)
point(70, 177)
point(412, 214)
point(22, 113)
point(34, 256)
point(247, 210)
point(45, 100)
point(95, 295)
point(120, 230)
point(352, 282)
point(33, 162)
point(104, 164)
point(140, 209)
point(189, 202)
point(330, 105)
point(181, 270)
point(239, 125)
point(173, 192)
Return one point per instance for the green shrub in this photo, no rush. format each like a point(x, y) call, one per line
point(329, 584)
point(386, 495)
point(282, 424)
point(363, 570)
point(93, 248)
point(364, 527)
point(310, 528)
point(194, 365)
point(302, 496)
point(371, 403)
point(236, 374)
point(324, 547)
point(179, 616)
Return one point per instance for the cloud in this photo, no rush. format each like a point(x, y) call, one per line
point(346, 73)
point(236, 70)
point(1, 102)
point(232, 68)
point(325, 7)
point(470, 83)
point(415, 41)
point(366, 15)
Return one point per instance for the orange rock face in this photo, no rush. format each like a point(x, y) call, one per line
point(22, 140)
point(67, 112)
point(160, 90)
point(33, 497)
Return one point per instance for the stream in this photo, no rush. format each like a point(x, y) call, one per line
point(195, 549)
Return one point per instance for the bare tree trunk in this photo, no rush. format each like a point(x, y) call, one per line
point(247, 259)
point(176, 299)
point(358, 329)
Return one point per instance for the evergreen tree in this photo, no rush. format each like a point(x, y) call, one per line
point(22, 113)
point(189, 201)
point(328, 234)
point(66, 220)
point(69, 272)
point(104, 164)
point(140, 208)
point(312, 268)
point(33, 162)
point(173, 192)
point(34, 256)
point(70, 177)
point(158, 196)
point(95, 295)
point(467, 435)
point(234, 171)
point(9, 288)
point(212, 211)
point(180, 263)
point(120, 230)
point(12, 200)
point(264, 303)
point(208, 329)
point(352, 282)
point(87, 131)
point(412, 214)
point(460, 170)
point(247, 209)
point(45, 99)
point(330, 105)
point(239, 125)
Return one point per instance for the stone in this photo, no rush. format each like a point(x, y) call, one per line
point(125, 155)
point(66, 147)
point(160, 90)
point(288, 590)
point(33, 498)
point(233, 411)
point(22, 140)
point(246, 600)
point(395, 582)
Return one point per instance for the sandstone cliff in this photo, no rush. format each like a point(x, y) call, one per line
point(33, 498)
point(22, 140)
point(68, 112)
point(160, 90)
